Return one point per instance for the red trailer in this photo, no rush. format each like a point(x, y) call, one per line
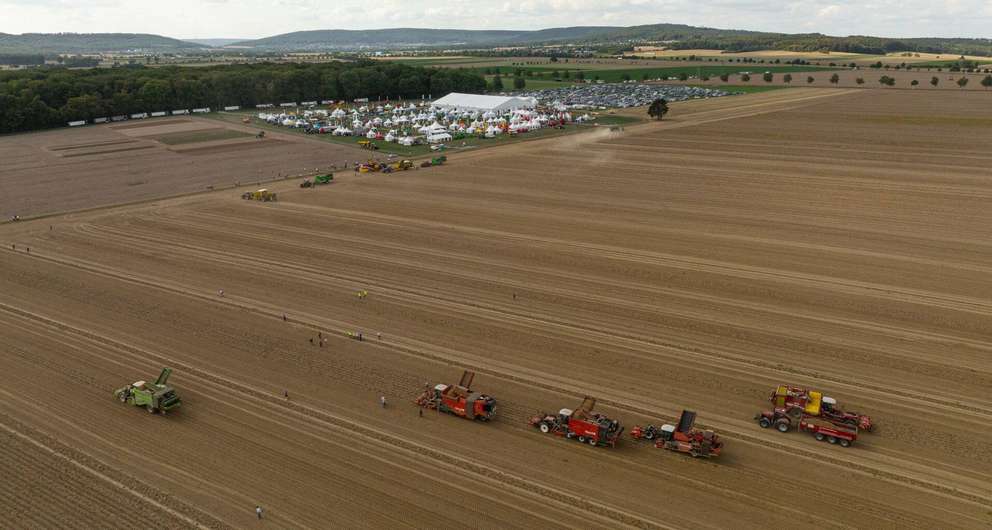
point(829, 431)
point(582, 425)
point(459, 399)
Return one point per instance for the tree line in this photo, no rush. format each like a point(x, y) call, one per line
point(44, 98)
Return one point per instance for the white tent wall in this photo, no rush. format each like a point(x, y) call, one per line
point(461, 102)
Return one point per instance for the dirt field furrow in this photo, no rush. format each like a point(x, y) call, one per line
point(834, 239)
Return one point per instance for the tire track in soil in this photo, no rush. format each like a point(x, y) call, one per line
point(210, 392)
point(705, 355)
point(101, 472)
point(889, 473)
point(374, 435)
point(519, 416)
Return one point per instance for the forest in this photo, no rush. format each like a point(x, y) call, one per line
point(44, 98)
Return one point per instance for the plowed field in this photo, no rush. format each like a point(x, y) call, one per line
point(825, 238)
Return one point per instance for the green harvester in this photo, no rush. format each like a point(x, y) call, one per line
point(155, 397)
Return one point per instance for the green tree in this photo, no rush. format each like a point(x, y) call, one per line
point(834, 79)
point(724, 77)
point(683, 76)
point(987, 81)
point(745, 78)
point(860, 80)
point(934, 81)
point(519, 83)
point(658, 108)
point(580, 75)
point(625, 76)
point(768, 77)
point(963, 82)
point(914, 82)
point(809, 80)
point(497, 83)
point(787, 78)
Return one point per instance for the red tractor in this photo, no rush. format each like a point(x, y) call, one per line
point(583, 425)
point(794, 402)
point(459, 399)
point(682, 439)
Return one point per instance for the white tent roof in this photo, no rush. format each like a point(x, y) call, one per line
point(456, 100)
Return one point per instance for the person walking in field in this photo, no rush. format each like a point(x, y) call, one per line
point(220, 293)
point(258, 512)
point(382, 401)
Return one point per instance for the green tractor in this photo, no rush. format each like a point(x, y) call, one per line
point(323, 179)
point(155, 397)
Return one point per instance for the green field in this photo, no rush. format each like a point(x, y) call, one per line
point(746, 89)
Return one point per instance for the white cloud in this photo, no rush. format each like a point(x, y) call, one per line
point(258, 18)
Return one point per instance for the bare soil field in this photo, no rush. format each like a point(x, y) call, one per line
point(837, 239)
point(70, 169)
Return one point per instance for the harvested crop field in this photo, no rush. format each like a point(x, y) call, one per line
point(72, 169)
point(781, 237)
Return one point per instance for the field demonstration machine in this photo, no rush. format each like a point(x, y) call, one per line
point(155, 397)
point(319, 180)
point(459, 399)
point(582, 424)
point(683, 438)
point(263, 195)
point(811, 411)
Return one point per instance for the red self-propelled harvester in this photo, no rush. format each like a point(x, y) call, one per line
point(682, 439)
point(582, 425)
point(793, 402)
point(459, 399)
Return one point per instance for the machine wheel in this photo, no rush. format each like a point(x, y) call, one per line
point(151, 409)
point(844, 443)
point(122, 397)
point(764, 422)
point(782, 425)
point(544, 428)
point(819, 436)
point(592, 442)
point(831, 439)
point(582, 439)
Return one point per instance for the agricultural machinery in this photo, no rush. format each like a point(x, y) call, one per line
point(372, 166)
point(682, 438)
point(794, 402)
point(582, 424)
point(317, 181)
point(820, 428)
point(459, 399)
point(263, 195)
point(155, 397)
point(436, 161)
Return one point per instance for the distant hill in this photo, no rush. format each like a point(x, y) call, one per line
point(89, 43)
point(214, 42)
point(413, 38)
point(676, 35)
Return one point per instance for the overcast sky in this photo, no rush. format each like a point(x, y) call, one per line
point(261, 18)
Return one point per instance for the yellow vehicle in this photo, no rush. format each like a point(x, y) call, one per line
point(263, 195)
point(367, 144)
point(369, 167)
point(402, 165)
